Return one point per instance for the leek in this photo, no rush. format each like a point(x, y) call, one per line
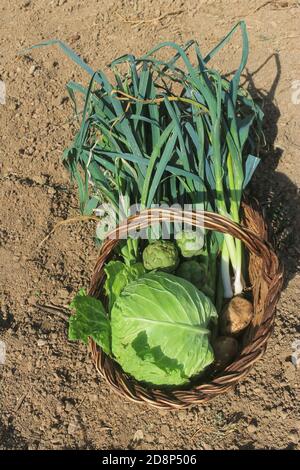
point(139, 139)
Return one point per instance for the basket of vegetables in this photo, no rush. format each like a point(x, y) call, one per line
point(164, 342)
point(172, 320)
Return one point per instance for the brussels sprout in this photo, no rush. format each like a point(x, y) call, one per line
point(192, 271)
point(161, 255)
point(196, 273)
point(190, 243)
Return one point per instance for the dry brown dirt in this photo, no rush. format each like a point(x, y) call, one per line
point(50, 395)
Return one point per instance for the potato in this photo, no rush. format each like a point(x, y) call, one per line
point(236, 316)
point(225, 349)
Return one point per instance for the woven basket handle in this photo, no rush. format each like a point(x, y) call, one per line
point(208, 220)
point(204, 219)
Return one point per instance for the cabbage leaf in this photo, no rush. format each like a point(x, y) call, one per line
point(118, 275)
point(160, 329)
point(91, 320)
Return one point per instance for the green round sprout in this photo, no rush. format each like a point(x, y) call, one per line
point(192, 271)
point(190, 243)
point(162, 255)
point(196, 273)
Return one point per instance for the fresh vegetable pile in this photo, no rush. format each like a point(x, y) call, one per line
point(166, 132)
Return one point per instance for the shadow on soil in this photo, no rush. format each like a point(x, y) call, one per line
point(10, 438)
point(277, 194)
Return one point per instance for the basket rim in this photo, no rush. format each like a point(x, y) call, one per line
point(254, 236)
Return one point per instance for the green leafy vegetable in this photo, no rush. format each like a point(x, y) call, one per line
point(139, 142)
point(118, 275)
point(197, 273)
point(90, 320)
point(190, 243)
point(193, 271)
point(160, 329)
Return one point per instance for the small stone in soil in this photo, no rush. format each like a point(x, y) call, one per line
point(206, 446)
point(93, 397)
point(71, 428)
point(68, 407)
point(165, 429)
point(294, 436)
point(138, 436)
point(32, 69)
point(251, 428)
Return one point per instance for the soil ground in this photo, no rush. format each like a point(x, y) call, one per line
point(51, 396)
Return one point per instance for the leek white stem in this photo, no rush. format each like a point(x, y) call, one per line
point(226, 272)
point(231, 250)
point(238, 281)
point(238, 285)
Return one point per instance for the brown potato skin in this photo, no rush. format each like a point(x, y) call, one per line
point(236, 316)
point(225, 349)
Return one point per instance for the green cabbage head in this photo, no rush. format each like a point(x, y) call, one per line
point(158, 330)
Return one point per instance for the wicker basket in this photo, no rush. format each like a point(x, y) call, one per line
point(265, 274)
